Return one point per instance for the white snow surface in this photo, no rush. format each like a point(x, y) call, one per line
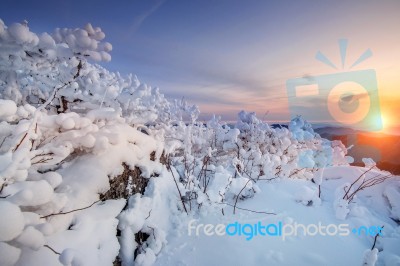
point(280, 198)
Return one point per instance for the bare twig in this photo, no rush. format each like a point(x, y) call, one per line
point(79, 67)
point(296, 171)
point(19, 144)
point(376, 236)
point(267, 179)
point(177, 187)
point(47, 246)
point(375, 180)
point(244, 209)
point(2, 142)
point(203, 170)
point(56, 89)
point(149, 214)
point(352, 184)
point(43, 159)
point(60, 213)
point(237, 197)
point(2, 187)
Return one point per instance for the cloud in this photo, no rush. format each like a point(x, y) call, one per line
point(213, 94)
point(138, 20)
point(208, 78)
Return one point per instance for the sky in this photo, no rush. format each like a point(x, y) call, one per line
point(227, 55)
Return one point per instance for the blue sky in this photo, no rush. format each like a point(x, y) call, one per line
point(229, 55)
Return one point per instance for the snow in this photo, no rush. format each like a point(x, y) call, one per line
point(370, 257)
point(71, 257)
point(135, 216)
point(341, 205)
point(277, 197)
point(60, 148)
point(9, 255)
point(7, 108)
point(21, 34)
point(393, 196)
point(30, 193)
point(368, 162)
point(307, 196)
point(12, 221)
point(146, 259)
point(53, 178)
point(31, 238)
point(219, 185)
point(342, 209)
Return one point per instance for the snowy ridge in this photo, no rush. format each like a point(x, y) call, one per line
point(70, 129)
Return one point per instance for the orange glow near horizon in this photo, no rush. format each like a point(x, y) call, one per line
point(390, 109)
point(389, 123)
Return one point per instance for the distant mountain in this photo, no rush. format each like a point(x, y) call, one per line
point(383, 148)
point(279, 126)
point(330, 132)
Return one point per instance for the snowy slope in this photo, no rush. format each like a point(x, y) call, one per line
point(283, 198)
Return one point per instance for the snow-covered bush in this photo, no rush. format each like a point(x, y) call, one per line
point(217, 162)
point(67, 127)
point(64, 166)
point(34, 66)
point(54, 69)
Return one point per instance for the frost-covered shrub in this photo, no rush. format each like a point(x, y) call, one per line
point(64, 165)
point(56, 68)
point(33, 66)
point(218, 163)
point(66, 128)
